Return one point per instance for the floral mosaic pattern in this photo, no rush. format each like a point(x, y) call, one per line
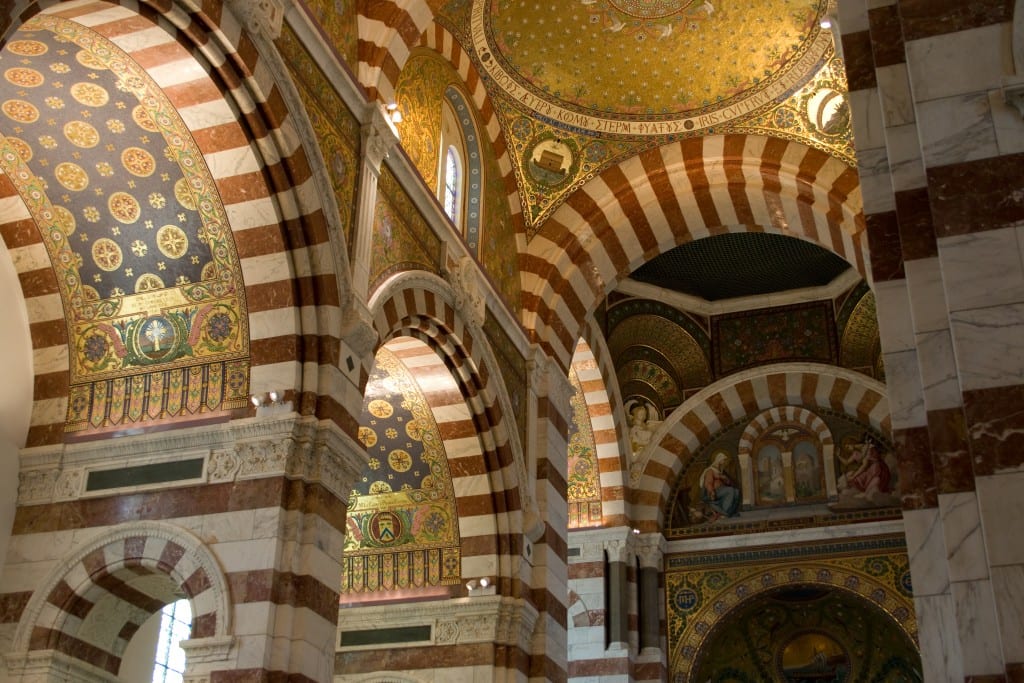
point(135, 227)
point(402, 524)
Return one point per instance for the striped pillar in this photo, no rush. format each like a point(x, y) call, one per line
point(940, 157)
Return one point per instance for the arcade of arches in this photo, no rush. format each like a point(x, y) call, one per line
point(713, 370)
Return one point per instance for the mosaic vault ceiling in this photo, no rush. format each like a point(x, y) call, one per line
point(674, 64)
point(133, 224)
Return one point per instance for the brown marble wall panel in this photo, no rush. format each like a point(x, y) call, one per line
point(285, 588)
point(1015, 673)
point(886, 250)
point(993, 678)
point(916, 232)
point(972, 196)
point(926, 18)
point(414, 658)
point(586, 570)
point(860, 65)
point(599, 667)
point(258, 676)
point(12, 605)
point(951, 458)
point(917, 476)
point(995, 428)
point(886, 36)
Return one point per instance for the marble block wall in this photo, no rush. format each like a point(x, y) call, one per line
point(941, 166)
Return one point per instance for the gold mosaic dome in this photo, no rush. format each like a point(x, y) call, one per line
point(687, 64)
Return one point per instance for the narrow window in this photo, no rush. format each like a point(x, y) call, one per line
point(175, 626)
point(452, 178)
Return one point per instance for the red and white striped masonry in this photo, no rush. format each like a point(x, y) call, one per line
point(743, 396)
point(388, 31)
point(607, 441)
point(674, 194)
point(790, 414)
point(248, 139)
point(417, 306)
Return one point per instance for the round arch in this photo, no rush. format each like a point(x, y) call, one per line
point(671, 195)
point(422, 306)
point(738, 397)
point(760, 582)
point(285, 235)
point(110, 578)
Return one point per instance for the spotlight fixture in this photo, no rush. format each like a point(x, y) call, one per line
point(485, 582)
point(471, 585)
point(274, 396)
point(257, 401)
point(826, 23)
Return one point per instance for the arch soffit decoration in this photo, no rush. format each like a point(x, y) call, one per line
point(111, 544)
point(216, 39)
point(810, 574)
point(809, 385)
point(591, 241)
point(450, 344)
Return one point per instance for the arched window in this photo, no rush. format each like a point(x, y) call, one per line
point(452, 184)
point(460, 180)
point(175, 626)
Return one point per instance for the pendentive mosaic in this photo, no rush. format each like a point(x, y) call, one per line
point(402, 523)
point(134, 226)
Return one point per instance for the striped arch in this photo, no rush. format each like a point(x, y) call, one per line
point(419, 305)
point(444, 43)
point(240, 119)
point(784, 414)
point(388, 30)
point(477, 524)
point(674, 194)
point(740, 397)
point(599, 392)
point(91, 604)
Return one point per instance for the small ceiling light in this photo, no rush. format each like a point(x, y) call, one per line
point(274, 396)
point(256, 400)
point(826, 23)
point(471, 585)
point(485, 582)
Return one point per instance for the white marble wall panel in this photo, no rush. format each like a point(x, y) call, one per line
point(1002, 509)
point(927, 294)
point(989, 345)
point(1008, 586)
point(894, 92)
point(903, 145)
point(875, 180)
point(938, 370)
point(962, 533)
point(926, 549)
point(977, 626)
point(957, 129)
point(892, 302)
point(1008, 124)
point(937, 637)
point(906, 397)
point(956, 63)
point(982, 268)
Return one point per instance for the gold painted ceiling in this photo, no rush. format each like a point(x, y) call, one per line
point(681, 62)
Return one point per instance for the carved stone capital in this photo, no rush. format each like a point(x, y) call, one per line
point(467, 291)
point(259, 17)
point(357, 327)
point(379, 136)
point(547, 379)
point(650, 548)
point(203, 650)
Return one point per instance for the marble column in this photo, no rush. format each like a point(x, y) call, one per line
point(650, 549)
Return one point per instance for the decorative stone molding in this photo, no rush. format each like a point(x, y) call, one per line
point(205, 650)
point(259, 16)
point(357, 327)
point(467, 292)
point(487, 619)
point(619, 542)
point(51, 665)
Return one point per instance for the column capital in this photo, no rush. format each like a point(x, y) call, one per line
point(378, 136)
point(650, 548)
